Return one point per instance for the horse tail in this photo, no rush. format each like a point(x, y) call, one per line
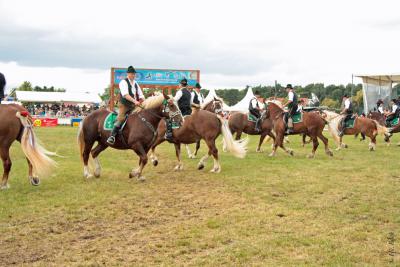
point(381, 129)
point(237, 147)
point(81, 139)
point(33, 150)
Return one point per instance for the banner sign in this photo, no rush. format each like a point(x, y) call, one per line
point(45, 122)
point(158, 76)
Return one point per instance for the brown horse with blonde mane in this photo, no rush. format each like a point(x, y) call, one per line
point(239, 123)
point(312, 125)
point(16, 124)
point(215, 106)
point(365, 126)
point(381, 119)
point(138, 134)
point(201, 124)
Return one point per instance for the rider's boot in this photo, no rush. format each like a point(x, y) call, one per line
point(111, 139)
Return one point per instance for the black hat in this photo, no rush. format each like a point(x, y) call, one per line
point(289, 86)
point(131, 70)
point(394, 100)
point(380, 101)
point(346, 96)
point(183, 81)
point(197, 86)
point(257, 93)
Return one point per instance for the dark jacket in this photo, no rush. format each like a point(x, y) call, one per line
point(2, 85)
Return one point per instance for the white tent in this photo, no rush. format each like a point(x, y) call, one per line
point(243, 105)
point(57, 97)
point(378, 87)
point(210, 97)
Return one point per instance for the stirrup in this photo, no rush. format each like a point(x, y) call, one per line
point(111, 140)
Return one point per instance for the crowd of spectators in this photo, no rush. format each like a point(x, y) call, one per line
point(60, 111)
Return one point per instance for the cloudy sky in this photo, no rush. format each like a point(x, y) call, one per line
point(73, 44)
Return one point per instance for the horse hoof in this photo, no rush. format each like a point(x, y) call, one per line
point(311, 156)
point(5, 187)
point(132, 175)
point(346, 146)
point(35, 181)
point(178, 168)
point(97, 174)
point(329, 153)
point(200, 167)
point(271, 155)
point(215, 170)
point(192, 156)
point(291, 153)
point(259, 151)
point(155, 162)
point(141, 179)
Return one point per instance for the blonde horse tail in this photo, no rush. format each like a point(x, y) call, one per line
point(237, 147)
point(81, 139)
point(381, 129)
point(36, 154)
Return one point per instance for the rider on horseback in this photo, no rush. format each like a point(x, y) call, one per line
point(131, 95)
point(2, 86)
point(256, 108)
point(347, 111)
point(184, 99)
point(379, 106)
point(292, 107)
point(197, 97)
point(394, 113)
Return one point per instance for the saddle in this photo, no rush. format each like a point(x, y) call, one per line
point(349, 123)
point(296, 118)
point(110, 120)
point(391, 123)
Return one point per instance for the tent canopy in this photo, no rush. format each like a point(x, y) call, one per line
point(57, 97)
point(377, 79)
point(243, 105)
point(378, 87)
point(210, 97)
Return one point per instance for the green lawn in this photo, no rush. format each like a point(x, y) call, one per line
point(258, 211)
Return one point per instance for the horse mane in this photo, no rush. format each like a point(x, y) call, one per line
point(151, 102)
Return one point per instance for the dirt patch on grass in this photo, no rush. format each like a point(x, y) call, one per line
point(136, 228)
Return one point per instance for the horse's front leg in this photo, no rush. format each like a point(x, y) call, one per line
point(142, 162)
point(179, 166)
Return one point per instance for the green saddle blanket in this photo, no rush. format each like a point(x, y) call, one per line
point(251, 117)
point(394, 122)
point(298, 117)
point(350, 123)
point(109, 121)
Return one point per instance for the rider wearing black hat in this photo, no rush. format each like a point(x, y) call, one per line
point(394, 113)
point(130, 96)
point(2, 86)
point(184, 99)
point(379, 106)
point(292, 107)
point(197, 96)
point(347, 112)
point(256, 107)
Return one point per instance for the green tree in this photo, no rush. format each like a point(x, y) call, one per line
point(330, 103)
point(25, 86)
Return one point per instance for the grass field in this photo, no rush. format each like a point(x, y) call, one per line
point(258, 211)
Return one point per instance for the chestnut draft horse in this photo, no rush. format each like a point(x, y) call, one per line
point(138, 134)
point(16, 124)
point(381, 119)
point(312, 125)
point(365, 126)
point(215, 106)
point(239, 123)
point(201, 124)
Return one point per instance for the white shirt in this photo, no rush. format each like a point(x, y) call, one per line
point(291, 96)
point(123, 88)
point(394, 108)
point(380, 109)
point(347, 103)
point(299, 108)
point(199, 97)
point(254, 102)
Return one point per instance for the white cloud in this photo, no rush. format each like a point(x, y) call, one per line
point(233, 43)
